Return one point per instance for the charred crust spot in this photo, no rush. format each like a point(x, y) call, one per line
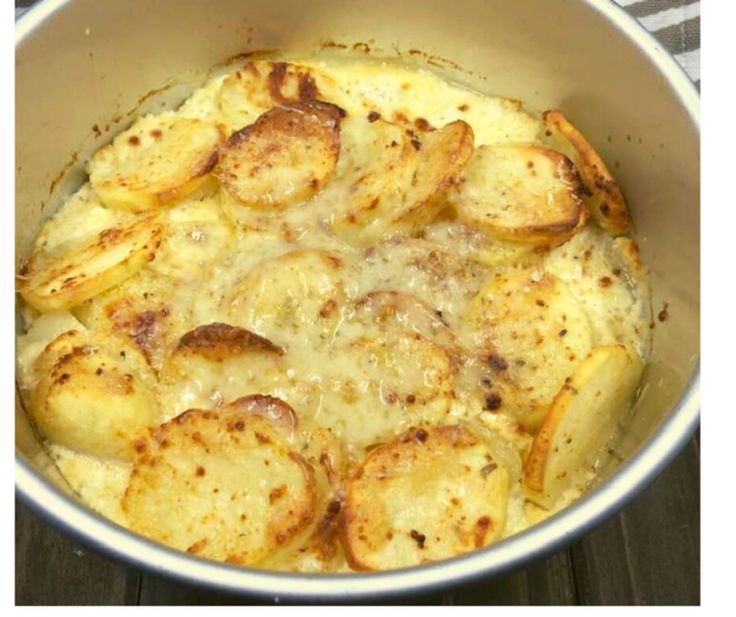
point(421, 435)
point(264, 439)
point(63, 378)
point(108, 236)
point(605, 281)
point(209, 163)
point(463, 107)
point(200, 471)
point(134, 140)
point(99, 371)
point(488, 469)
point(482, 526)
point(419, 538)
point(307, 88)
point(277, 493)
point(422, 124)
point(157, 133)
point(197, 546)
point(493, 402)
point(663, 315)
point(373, 116)
point(562, 332)
point(605, 209)
point(411, 399)
point(276, 80)
point(497, 363)
point(139, 445)
point(328, 308)
point(417, 144)
point(96, 130)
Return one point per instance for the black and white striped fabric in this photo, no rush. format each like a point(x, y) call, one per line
point(675, 24)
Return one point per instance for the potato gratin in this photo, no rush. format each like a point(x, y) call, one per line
point(333, 316)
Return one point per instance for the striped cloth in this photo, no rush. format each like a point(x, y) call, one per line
point(675, 23)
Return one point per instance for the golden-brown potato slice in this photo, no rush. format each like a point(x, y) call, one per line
point(284, 158)
point(221, 485)
point(94, 394)
point(442, 156)
point(531, 334)
point(585, 416)
point(523, 194)
point(115, 255)
point(217, 362)
point(607, 277)
point(318, 548)
point(79, 221)
point(430, 494)
point(388, 182)
point(258, 86)
point(151, 310)
point(298, 293)
point(156, 161)
point(41, 332)
point(603, 195)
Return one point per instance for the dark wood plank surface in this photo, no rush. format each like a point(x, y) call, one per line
point(647, 554)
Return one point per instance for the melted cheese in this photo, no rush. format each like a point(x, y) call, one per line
point(355, 377)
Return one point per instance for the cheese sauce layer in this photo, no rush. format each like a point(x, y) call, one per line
point(332, 316)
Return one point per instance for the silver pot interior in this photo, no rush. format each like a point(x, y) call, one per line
point(85, 69)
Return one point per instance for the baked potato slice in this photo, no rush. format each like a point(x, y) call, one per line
point(390, 181)
point(217, 362)
point(158, 160)
point(260, 85)
point(608, 279)
point(41, 332)
point(113, 256)
point(525, 194)
point(430, 494)
point(237, 489)
point(95, 394)
point(300, 292)
point(584, 418)
point(530, 334)
point(283, 158)
point(602, 194)
point(382, 382)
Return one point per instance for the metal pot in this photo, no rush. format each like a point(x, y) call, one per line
point(84, 67)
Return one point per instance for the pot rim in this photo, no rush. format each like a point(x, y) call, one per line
point(75, 519)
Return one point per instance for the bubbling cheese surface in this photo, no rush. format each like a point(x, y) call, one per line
point(286, 312)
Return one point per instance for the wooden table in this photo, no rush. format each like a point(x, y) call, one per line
point(647, 554)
